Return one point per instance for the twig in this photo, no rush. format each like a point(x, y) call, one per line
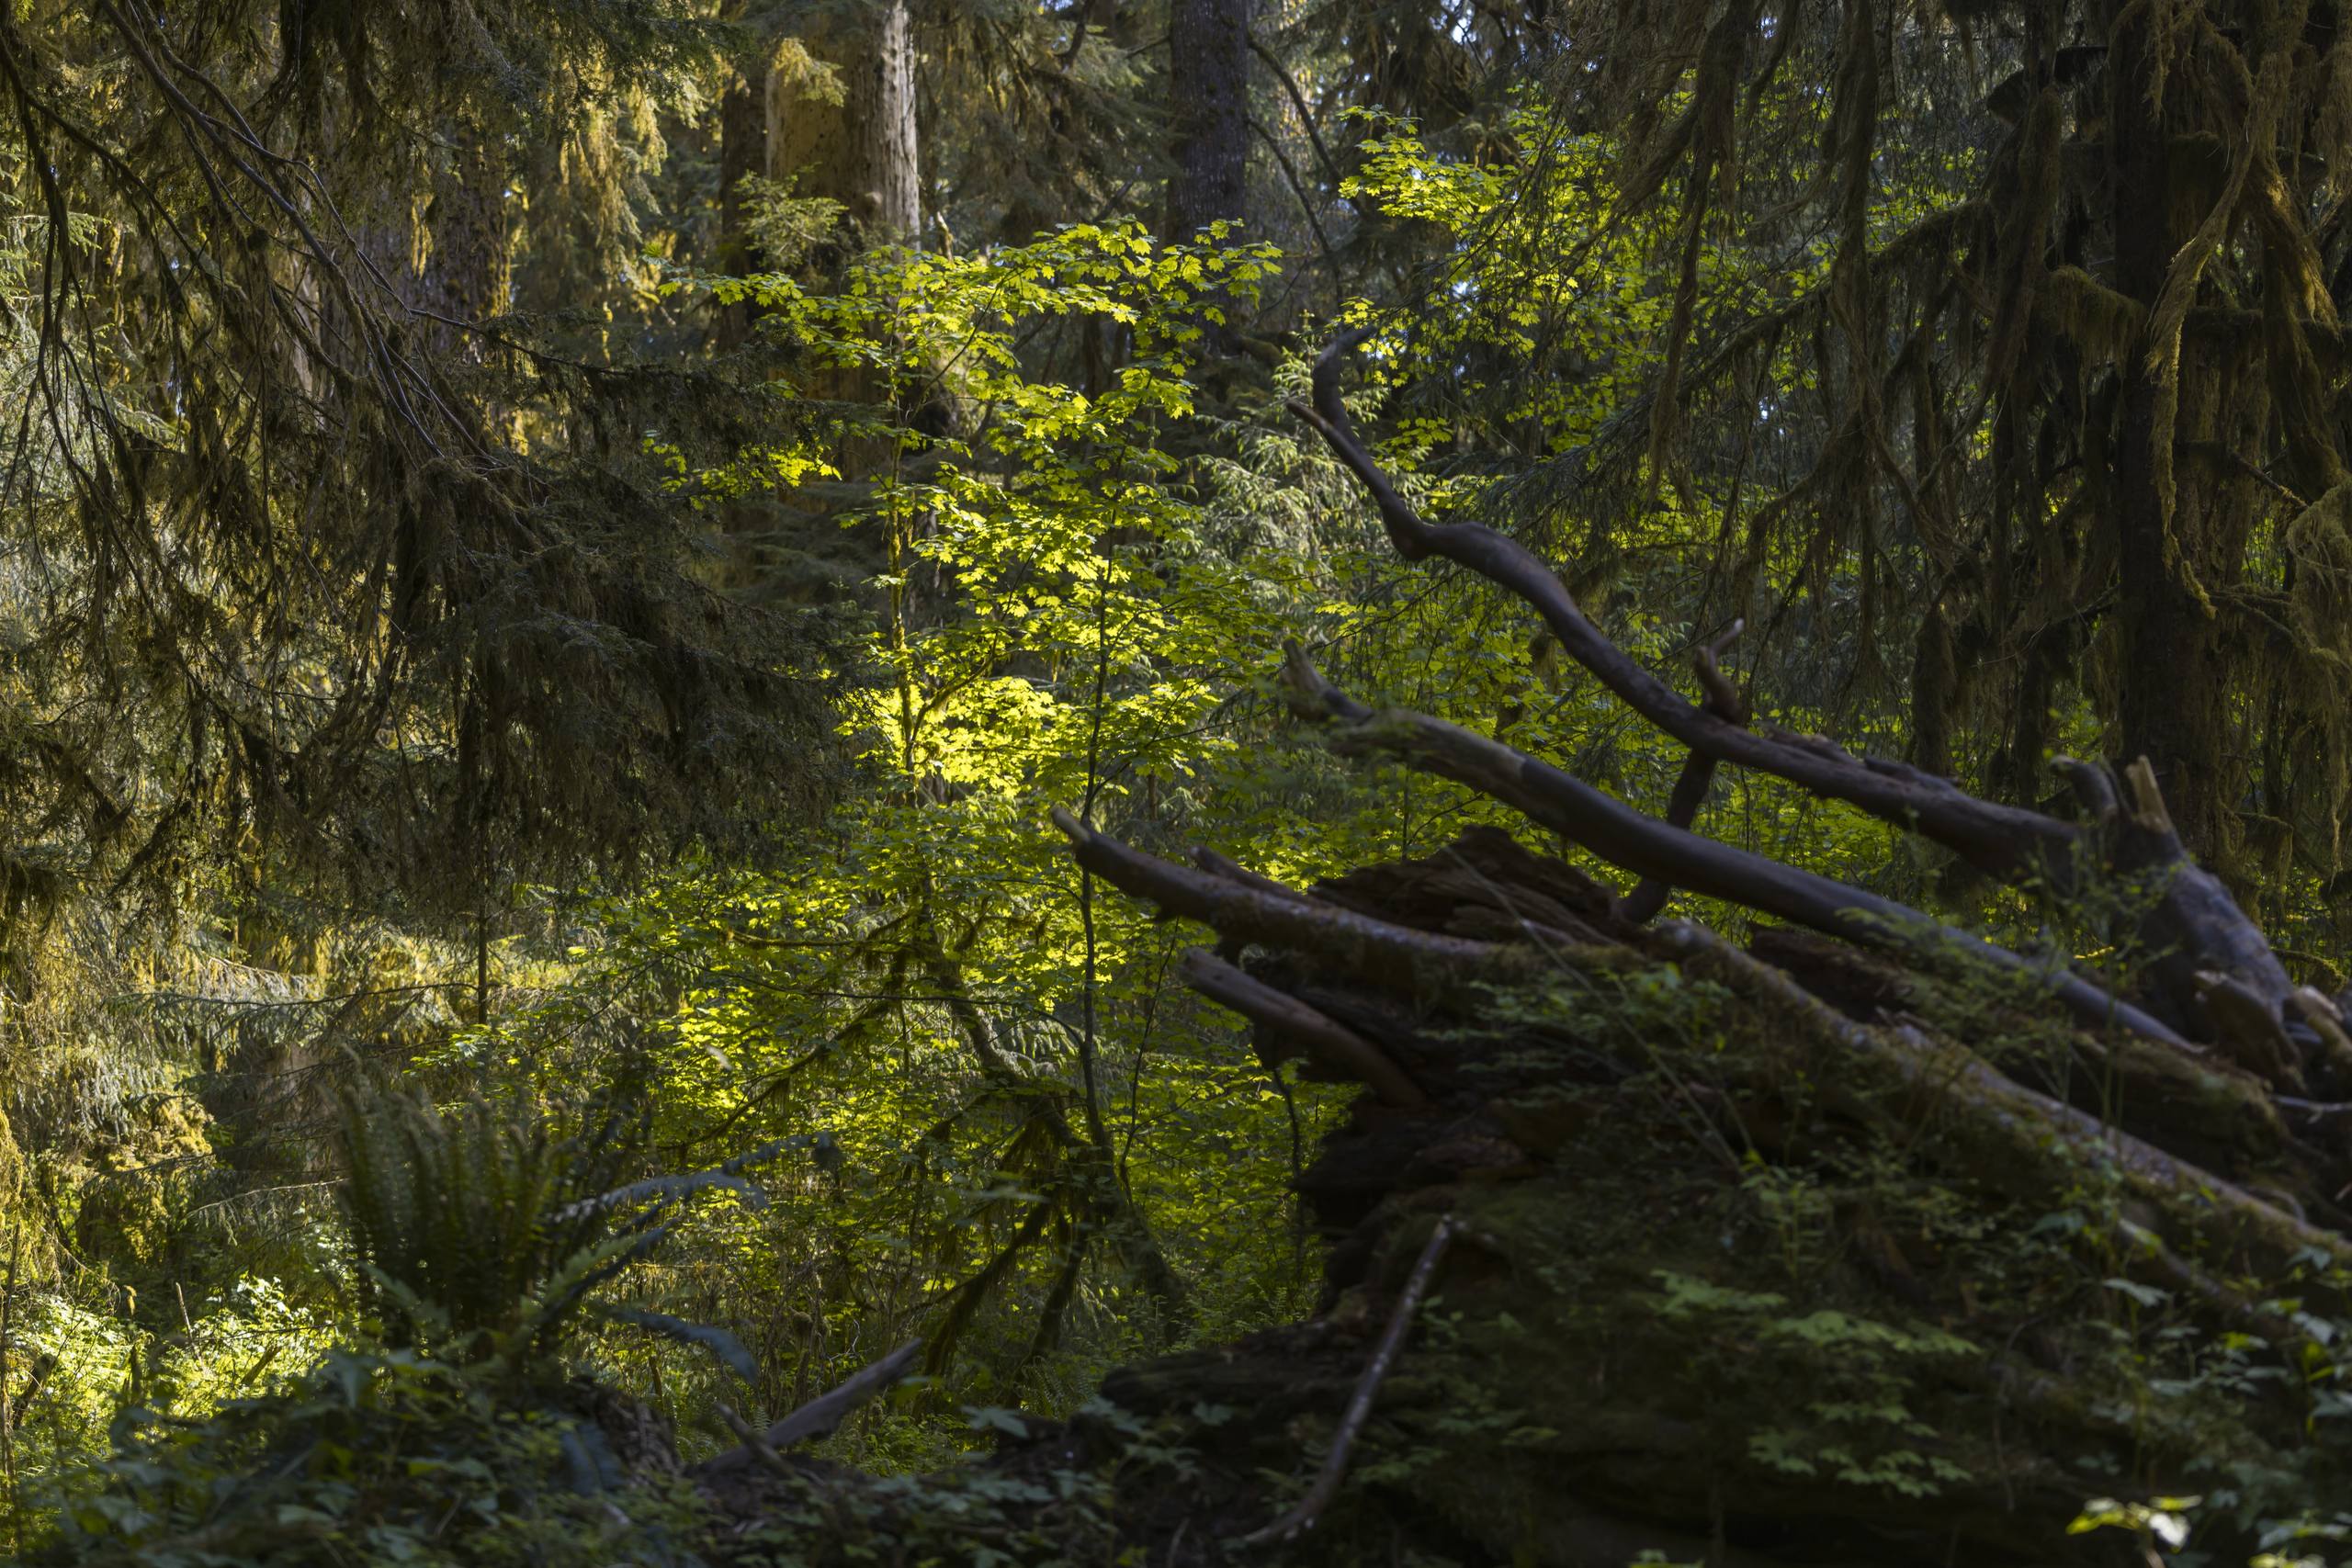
point(1298, 101)
point(1298, 189)
point(1302, 1514)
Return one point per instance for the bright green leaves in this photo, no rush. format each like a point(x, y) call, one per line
point(1061, 616)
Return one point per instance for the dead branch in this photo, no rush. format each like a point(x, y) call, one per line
point(1331, 1042)
point(1215, 864)
point(1301, 1515)
point(2195, 925)
point(1390, 956)
point(1650, 848)
point(1998, 1131)
point(751, 1440)
point(818, 1418)
point(2002, 840)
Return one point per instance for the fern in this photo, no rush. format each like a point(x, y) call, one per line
point(483, 1237)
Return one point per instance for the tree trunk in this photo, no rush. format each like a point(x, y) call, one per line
point(466, 280)
point(1208, 98)
point(742, 152)
point(2173, 691)
point(853, 138)
point(835, 119)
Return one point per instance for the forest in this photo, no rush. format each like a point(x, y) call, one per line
point(1034, 783)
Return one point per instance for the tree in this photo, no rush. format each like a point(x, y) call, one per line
point(1958, 1156)
point(841, 120)
point(273, 442)
point(1874, 1244)
point(1208, 107)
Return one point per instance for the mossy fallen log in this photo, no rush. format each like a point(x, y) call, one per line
point(1769, 1276)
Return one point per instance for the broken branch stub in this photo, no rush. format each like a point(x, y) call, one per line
point(1282, 1016)
point(1644, 902)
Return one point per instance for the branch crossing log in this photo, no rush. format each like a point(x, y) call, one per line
point(1301, 1516)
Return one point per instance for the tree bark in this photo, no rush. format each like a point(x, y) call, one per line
point(852, 139)
point(837, 122)
point(1209, 106)
point(466, 279)
point(1208, 101)
point(742, 152)
point(2173, 691)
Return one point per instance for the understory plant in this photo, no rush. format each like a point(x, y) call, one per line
point(458, 1427)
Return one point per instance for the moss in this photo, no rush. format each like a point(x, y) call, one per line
point(131, 1202)
point(1674, 1332)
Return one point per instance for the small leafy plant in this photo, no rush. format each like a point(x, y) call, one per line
point(482, 1237)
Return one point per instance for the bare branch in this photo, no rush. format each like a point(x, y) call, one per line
point(1215, 864)
point(818, 1418)
point(2094, 789)
point(2196, 924)
point(2018, 1139)
point(1302, 1514)
point(1643, 844)
point(1392, 957)
point(2000, 839)
point(1278, 1012)
point(751, 1440)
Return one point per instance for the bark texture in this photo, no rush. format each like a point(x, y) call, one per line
point(742, 152)
point(1208, 104)
point(841, 120)
point(467, 279)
